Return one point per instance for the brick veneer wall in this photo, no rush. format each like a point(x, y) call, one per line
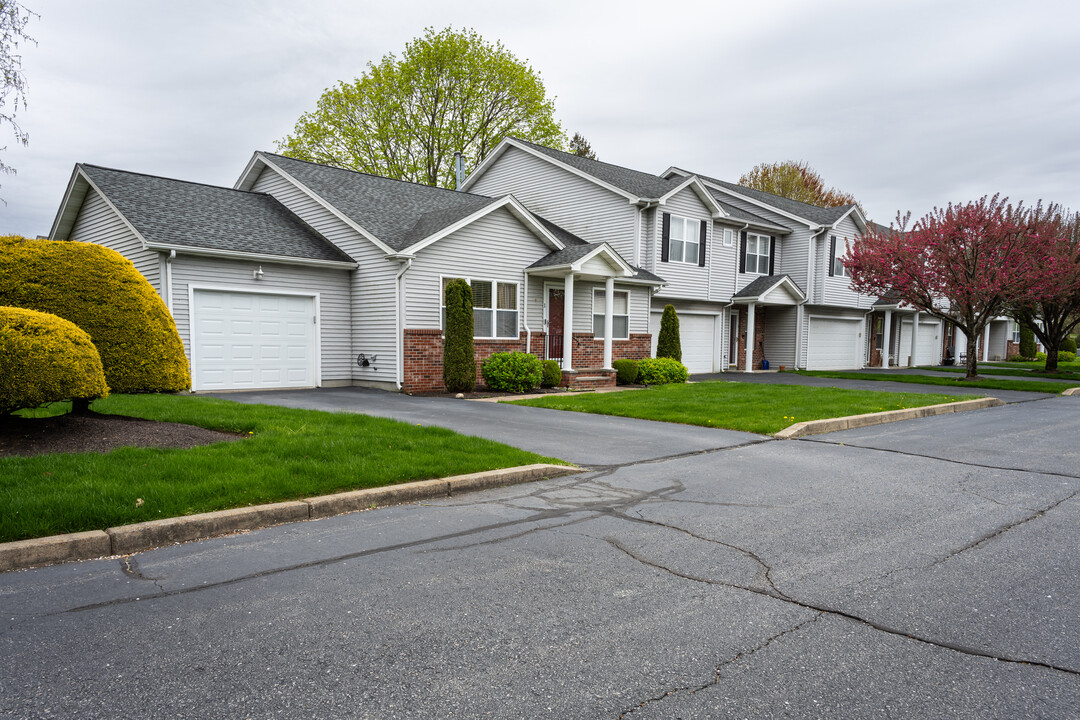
point(759, 338)
point(424, 348)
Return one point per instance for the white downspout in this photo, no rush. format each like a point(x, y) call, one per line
point(738, 254)
point(399, 309)
point(168, 281)
point(525, 312)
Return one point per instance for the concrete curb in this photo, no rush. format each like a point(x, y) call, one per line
point(137, 537)
point(1071, 391)
point(817, 427)
point(534, 396)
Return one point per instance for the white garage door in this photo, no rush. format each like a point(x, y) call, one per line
point(697, 338)
point(834, 344)
point(929, 350)
point(252, 340)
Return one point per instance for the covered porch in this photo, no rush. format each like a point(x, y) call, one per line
point(765, 320)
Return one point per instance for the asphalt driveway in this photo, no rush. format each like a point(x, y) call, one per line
point(924, 569)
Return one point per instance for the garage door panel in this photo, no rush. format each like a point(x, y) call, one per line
point(928, 351)
point(834, 344)
point(252, 340)
point(696, 336)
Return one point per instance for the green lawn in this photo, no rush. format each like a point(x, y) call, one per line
point(286, 454)
point(1035, 365)
point(1023, 385)
point(1010, 372)
point(752, 407)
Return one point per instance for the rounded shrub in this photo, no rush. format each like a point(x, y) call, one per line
point(99, 290)
point(459, 363)
point(44, 358)
point(1068, 345)
point(1027, 341)
point(551, 374)
point(626, 371)
point(1041, 356)
point(661, 371)
point(668, 344)
point(515, 372)
point(1066, 356)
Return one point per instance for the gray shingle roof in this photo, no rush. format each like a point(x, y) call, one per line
point(398, 213)
point(744, 215)
point(762, 285)
point(636, 182)
point(577, 248)
point(186, 214)
point(819, 215)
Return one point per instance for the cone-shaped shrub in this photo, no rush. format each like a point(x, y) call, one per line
point(668, 344)
point(99, 290)
point(552, 374)
point(459, 363)
point(1027, 342)
point(44, 358)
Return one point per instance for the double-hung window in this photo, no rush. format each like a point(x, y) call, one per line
point(495, 308)
point(757, 253)
point(1016, 332)
point(684, 236)
point(840, 247)
point(620, 315)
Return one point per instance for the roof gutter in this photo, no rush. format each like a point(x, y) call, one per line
point(250, 257)
point(168, 281)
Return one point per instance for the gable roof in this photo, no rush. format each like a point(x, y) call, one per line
point(397, 212)
point(177, 214)
point(762, 285)
point(576, 248)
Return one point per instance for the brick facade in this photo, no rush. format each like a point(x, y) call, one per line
point(759, 338)
point(424, 347)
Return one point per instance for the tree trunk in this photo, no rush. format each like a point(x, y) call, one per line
point(972, 356)
point(1051, 358)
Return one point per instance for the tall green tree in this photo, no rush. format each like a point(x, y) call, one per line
point(13, 21)
point(459, 362)
point(406, 117)
point(796, 180)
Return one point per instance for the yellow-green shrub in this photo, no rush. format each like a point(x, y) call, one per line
point(44, 358)
point(100, 291)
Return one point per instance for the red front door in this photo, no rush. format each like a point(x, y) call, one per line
point(555, 324)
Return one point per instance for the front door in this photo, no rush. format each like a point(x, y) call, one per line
point(733, 340)
point(554, 350)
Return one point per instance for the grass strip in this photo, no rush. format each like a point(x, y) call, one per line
point(1021, 385)
point(1009, 372)
point(752, 407)
point(287, 454)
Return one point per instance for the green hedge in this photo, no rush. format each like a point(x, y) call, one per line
point(100, 291)
point(516, 372)
point(1068, 345)
point(1027, 342)
point(43, 359)
point(661, 371)
point(552, 374)
point(626, 371)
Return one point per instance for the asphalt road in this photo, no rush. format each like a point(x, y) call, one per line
point(925, 569)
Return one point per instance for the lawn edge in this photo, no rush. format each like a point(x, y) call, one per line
point(818, 427)
point(137, 537)
point(1071, 391)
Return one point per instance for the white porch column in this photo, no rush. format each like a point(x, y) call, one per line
point(750, 338)
point(914, 338)
point(886, 340)
point(609, 322)
point(568, 322)
point(986, 343)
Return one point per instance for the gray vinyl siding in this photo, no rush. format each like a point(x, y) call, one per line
point(826, 311)
point(723, 262)
point(837, 290)
point(495, 247)
point(781, 324)
point(742, 279)
point(98, 223)
point(685, 280)
point(332, 287)
point(794, 256)
point(572, 202)
point(638, 306)
point(373, 287)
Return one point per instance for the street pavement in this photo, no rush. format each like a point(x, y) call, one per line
point(924, 569)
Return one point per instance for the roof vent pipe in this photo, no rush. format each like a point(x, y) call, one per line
point(459, 168)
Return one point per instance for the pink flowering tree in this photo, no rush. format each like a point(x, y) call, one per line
point(962, 264)
point(1053, 312)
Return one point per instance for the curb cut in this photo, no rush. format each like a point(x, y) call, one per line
point(818, 427)
point(1071, 391)
point(127, 539)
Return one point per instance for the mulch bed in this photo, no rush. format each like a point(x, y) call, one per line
point(98, 433)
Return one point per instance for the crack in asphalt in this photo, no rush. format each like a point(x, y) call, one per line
point(719, 668)
point(130, 567)
point(821, 608)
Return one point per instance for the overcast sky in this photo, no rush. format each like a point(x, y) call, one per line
point(906, 105)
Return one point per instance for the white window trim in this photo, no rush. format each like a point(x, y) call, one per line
point(494, 309)
point(841, 245)
point(615, 338)
point(729, 237)
point(696, 242)
point(757, 262)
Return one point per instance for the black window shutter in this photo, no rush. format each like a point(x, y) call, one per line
point(665, 238)
point(742, 252)
point(701, 245)
point(832, 254)
point(772, 254)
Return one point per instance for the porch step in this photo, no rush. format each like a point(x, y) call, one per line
point(588, 379)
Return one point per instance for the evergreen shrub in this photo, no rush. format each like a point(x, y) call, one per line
point(668, 344)
point(1027, 342)
point(43, 359)
point(516, 372)
point(552, 374)
point(1068, 345)
point(626, 371)
point(661, 371)
point(459, 363)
